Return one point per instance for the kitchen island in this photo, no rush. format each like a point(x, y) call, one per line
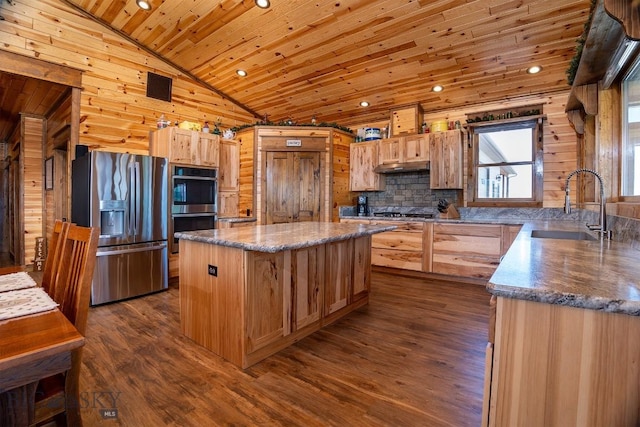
point(564, 346)
point(246, 293)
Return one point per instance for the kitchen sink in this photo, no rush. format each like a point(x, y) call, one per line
point(562, 234)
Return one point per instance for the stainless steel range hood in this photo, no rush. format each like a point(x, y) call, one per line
point(402, 167)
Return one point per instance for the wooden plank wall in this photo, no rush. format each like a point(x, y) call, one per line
point(32, 160)
point(58, 200)
point(116, 115)
point(560, 140)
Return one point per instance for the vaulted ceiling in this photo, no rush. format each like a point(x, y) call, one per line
point(321, 58)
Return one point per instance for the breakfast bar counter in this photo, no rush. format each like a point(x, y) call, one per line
point(246, 293)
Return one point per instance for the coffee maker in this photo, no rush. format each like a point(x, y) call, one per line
point(363, 206)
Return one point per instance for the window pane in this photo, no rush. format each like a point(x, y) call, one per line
point(509, 182)
point(631, 133)
point(506, 146)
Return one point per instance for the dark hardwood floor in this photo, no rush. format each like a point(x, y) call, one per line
point(413, 357)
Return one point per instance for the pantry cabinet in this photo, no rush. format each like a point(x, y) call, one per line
point(363, 158)
point(229, 178)
point(187, 147)
point(446, 155)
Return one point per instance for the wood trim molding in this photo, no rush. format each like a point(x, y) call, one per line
point(39, 69)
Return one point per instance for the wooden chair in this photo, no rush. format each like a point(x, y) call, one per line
point(72, 292)
point(54, 254)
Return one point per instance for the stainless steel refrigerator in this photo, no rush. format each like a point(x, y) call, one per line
point(126, 196)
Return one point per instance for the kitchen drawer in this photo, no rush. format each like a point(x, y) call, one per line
point(408, 260)
point(397, 241)
point(479, 240)
point(416, 227)
point(464, 265)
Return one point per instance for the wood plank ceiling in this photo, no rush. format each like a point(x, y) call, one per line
point(321, 58)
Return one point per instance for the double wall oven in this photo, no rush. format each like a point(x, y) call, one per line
point(193, 200)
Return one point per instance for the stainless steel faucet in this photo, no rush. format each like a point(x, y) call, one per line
point(601, 227)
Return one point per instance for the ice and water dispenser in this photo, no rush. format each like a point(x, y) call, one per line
point(112, 215)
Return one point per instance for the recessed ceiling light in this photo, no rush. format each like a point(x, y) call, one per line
point(364, 104)
point(143, 4)
point(437, 88)
point(241, 73)
point(534, 70)
point(263, 4)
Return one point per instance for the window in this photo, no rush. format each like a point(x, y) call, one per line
point(507, 163)
point(631, 132)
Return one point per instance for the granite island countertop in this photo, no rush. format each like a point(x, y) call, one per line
point(280, 237)
point(599, 275)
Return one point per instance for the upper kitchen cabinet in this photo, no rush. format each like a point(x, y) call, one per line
point(404, 149)
point(446, 153)
point(294, 173)
point(363, 159)
point(185, 146)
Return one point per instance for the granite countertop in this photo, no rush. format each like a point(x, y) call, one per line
point(238, 219)
point(436, 218)
point(598, 275)
point(280, 237)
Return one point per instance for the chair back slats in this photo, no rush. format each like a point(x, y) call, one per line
point(73, 283)
point(54, 253)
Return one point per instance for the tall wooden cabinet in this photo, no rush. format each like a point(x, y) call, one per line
point(229, 178)
point(270, 189)
point(446, 153)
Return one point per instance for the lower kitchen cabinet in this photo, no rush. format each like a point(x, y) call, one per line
point(452, 249)
point(400, 248)
point(466, 250)
point(554, 365)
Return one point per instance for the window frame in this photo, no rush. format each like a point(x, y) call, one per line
point(535, 123)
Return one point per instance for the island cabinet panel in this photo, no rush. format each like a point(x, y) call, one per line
point(554, 365)
point(307, 280)
point(257, 303)
point(265, 294)
point(361, 268)
point(211, 306)
point(467, 250)
point(339, 275)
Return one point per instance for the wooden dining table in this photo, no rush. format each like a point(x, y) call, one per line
point(32, 347)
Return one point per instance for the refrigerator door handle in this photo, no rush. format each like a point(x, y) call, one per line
point(130, 251)
point(132, 197)
point(136, 169)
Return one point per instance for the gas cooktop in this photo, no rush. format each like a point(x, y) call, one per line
point(403, 215)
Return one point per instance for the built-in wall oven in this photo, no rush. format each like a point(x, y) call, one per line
point(193, 200)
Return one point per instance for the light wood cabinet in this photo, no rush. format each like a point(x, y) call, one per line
point(229, 178)
point(400, 248)
point(554, 365)
point(185, 146)
point(404, 149)
point(258, 303)
point(333, 147)
point(363, 158)
point(446, 155)
point(466, 250)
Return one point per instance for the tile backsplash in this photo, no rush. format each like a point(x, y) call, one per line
point(409, 189)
